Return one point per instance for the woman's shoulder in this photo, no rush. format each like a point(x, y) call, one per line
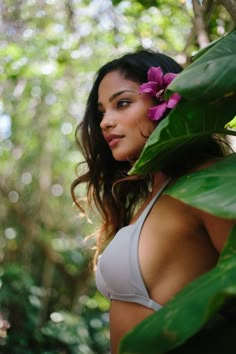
point(173, 216)
point(217, 228)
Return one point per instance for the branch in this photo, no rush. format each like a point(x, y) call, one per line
point(230, 6)
point(70, 16)
point(189, 42)
point(199, 24)
point(210, 8)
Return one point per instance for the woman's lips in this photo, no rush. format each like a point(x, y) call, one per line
point(113, 139)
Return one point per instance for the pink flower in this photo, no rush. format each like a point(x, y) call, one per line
point(156, 87)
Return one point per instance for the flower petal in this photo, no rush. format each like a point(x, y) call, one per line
point(168, 78)
point(149, 87)
point(156, 112)
point(173, 100)
point(155, 74)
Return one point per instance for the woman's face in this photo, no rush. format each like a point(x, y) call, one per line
point(124, 116)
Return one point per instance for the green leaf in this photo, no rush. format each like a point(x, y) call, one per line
point(205, 49)
point(189, 311)
point(12, 51)
point(210, 189)
point(187, 123)
point(212, 75)
point(231, 124)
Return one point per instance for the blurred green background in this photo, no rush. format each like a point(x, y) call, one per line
point(49, 53)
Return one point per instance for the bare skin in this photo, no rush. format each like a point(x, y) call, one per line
point(196, 239)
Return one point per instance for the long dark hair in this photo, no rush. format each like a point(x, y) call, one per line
point(102, 169)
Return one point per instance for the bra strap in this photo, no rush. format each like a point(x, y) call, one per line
point(152, 202)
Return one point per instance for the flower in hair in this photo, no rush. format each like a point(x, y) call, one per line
point(156, 87)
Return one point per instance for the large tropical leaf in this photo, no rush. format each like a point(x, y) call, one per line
point(212, 75)
point(202, 51)
point(189, 311)
point(212, 189)
point(187, 123)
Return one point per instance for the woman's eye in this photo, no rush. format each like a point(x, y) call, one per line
point(123, 103)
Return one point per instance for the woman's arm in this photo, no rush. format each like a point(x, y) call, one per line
point(217, 228)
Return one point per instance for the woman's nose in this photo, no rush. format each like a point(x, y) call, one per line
point(107, 121)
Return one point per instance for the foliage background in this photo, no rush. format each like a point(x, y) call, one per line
point(49, 52)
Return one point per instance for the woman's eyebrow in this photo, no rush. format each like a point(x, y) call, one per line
point(116, 94)
point(119, 93)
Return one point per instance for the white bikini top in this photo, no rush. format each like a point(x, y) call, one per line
point(118, 274)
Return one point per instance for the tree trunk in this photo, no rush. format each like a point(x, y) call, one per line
point(230, 6)
point(200, 24)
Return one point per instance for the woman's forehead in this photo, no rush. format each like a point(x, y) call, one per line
point(113, 83)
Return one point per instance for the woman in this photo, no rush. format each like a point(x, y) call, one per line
point(151, 244)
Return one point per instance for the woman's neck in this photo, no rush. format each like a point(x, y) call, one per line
point(159, 178)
